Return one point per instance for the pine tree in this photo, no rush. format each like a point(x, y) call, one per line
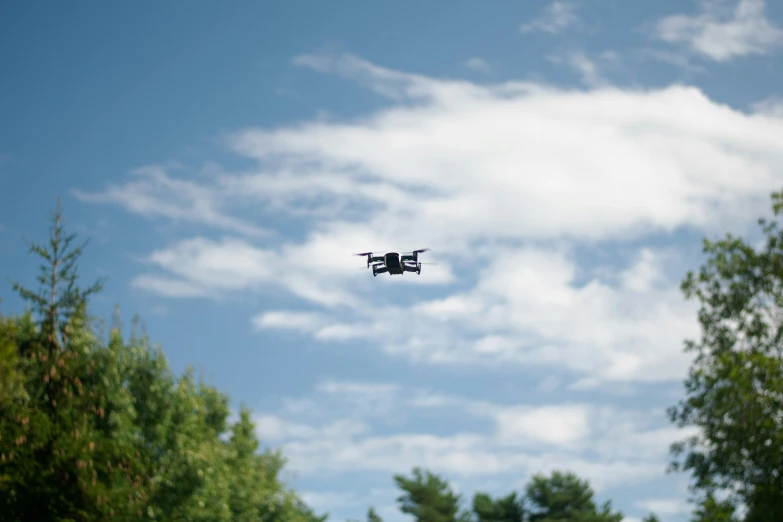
point(428, 497)
point(63, 448)
point(59, 298)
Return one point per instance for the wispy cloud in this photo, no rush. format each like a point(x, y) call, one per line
point(556, 18)
point(155, 193)
point(478, 65)
point(772, 106)
point(665, 506)
point(607, 445)
point(588, 70)
point(721, 34)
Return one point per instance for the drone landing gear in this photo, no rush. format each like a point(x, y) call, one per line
point(412, 268)
point(379, 270)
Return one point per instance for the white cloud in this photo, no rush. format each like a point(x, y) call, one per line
point(478, 65)
point(606, 445)
point(771, 107)
point(526, 309)
point(644, 275)
point(722, 35)
point(548, 424)
point(557, 17)
point(502, 181)
point(288, 320)
point(154, 193)
point(209, 268)
point(461, 168)
point(665, 506)
point(271, 428)
point(168, 287)
point(588, 70)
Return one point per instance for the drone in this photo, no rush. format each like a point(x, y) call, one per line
point(394, 263)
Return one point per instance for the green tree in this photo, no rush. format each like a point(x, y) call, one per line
point(103, 430)
point(10, 383)
point(65, 448)
point(712, 510)
point(59, 297)
point(428, 497)
point(734, 389)
point(504, 509)
point(564, 496)
point(652, 517)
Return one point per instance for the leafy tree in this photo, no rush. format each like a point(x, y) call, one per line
point(652, 517)
point(428, 497)
point(734, 389)
point(10, 384)
point(65, 448)
point(712, 510)
point(564, 496)
point(504, 509)
point(101, 430)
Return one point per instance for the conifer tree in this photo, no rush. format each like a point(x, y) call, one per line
point(62, 447)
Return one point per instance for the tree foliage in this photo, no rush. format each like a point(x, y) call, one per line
point(427, 497)
point(562, 496)
point(505, 509)
point(100, 430)
point(734, 390)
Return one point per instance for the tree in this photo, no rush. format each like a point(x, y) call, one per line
point(734, 388)
point(101, 429)
point(58, 298)
point(712, 510)
point(652, 517)
point(428, 497)
point(10, 385)
point(564, 496)
point(504, 509)
point(66, 448)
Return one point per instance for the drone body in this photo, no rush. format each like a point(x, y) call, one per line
point(393, 263)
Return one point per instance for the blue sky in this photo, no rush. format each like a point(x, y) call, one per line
point(562, 160)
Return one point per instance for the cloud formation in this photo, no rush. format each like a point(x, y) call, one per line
point(607, 445)
point(155, 193)
point(720, 34)
point(557, 17)
point(507, 183)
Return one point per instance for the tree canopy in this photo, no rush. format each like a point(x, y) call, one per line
point(97, 427)
point(94, 429)
point(734, 390)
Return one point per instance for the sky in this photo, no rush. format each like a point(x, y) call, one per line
point(563, 161)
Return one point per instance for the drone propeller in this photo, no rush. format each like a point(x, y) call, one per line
point(369, 256)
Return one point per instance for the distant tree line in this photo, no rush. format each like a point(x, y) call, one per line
point(96, 426)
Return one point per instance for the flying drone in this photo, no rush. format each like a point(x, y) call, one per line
point(394, 263)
